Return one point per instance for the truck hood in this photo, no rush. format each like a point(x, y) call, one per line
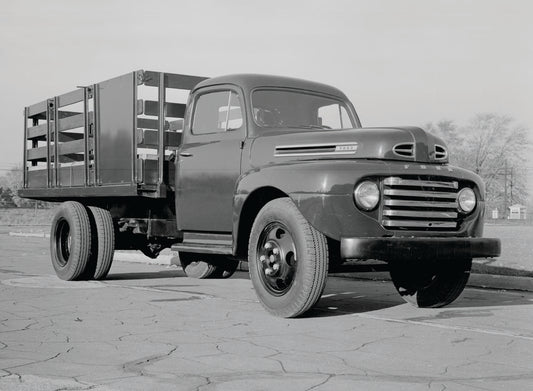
point(410, 144)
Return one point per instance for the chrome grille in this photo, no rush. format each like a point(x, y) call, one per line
point(419, 204)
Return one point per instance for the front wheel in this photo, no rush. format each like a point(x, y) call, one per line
point(432, 284)
point(287, 258)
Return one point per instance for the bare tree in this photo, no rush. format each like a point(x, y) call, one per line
point(494, 147)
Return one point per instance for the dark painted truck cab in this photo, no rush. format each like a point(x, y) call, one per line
point(270, 170)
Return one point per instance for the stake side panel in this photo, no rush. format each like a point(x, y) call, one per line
point(115, 135)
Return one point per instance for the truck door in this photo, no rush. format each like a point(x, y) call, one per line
point(210, 161)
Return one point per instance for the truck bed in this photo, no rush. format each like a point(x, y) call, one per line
point(114, 139)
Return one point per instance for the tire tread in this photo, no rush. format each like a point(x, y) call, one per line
point(105, 236)
point(80, 230)
point(316, 248)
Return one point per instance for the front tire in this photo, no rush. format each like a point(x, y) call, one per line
point(70, 240)
point(430, 285)
point(287, 258)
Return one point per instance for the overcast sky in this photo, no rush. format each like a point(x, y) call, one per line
point(400, 62)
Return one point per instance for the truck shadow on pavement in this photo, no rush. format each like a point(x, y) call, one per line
point(349, 296)
point(344, 296)
point(365, 296)
point(352, 296)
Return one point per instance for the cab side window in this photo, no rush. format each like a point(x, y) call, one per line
point(334, 116)
point(215, 112)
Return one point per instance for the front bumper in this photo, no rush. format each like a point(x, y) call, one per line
point(419, 248)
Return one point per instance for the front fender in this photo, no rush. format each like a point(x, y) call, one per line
point(323, 192)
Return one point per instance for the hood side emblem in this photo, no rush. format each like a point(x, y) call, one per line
point(316, 149)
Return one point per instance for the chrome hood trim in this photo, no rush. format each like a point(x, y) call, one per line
point(340, 148)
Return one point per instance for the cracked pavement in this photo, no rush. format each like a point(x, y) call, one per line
point(149, 327)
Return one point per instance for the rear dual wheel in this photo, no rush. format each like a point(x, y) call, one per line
point(70, 240)
point(82, 242)
point(102, 243)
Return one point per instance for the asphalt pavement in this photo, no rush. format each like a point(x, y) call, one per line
point(148, 327)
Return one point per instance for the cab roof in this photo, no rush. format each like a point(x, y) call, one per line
point(250, 81)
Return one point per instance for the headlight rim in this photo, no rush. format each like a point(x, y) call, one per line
point(356, 195)
point(460, 207)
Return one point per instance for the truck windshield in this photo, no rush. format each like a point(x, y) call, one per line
point(276, 108)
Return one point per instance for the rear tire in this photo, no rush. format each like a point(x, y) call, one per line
point(204, 266)
point(102, 243)
point(70, 240)
point(430, 285)
point(287, 259)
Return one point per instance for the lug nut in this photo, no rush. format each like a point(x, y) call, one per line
point(268, 246)
point(262, 258)
point(269, 271)
point(275, 267)
point(275, 251)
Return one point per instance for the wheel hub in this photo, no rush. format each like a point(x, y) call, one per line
point(272, 258)
point(276, 254)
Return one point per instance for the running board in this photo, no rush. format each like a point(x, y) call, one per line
point(205, 243)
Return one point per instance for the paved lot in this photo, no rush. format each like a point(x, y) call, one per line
point(149, 327)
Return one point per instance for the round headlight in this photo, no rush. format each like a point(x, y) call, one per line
point(366, 195)
point(466, 200)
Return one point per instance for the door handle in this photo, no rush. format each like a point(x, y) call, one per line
point(185, 154)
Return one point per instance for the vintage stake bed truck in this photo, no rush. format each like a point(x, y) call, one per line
point(273, 170)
